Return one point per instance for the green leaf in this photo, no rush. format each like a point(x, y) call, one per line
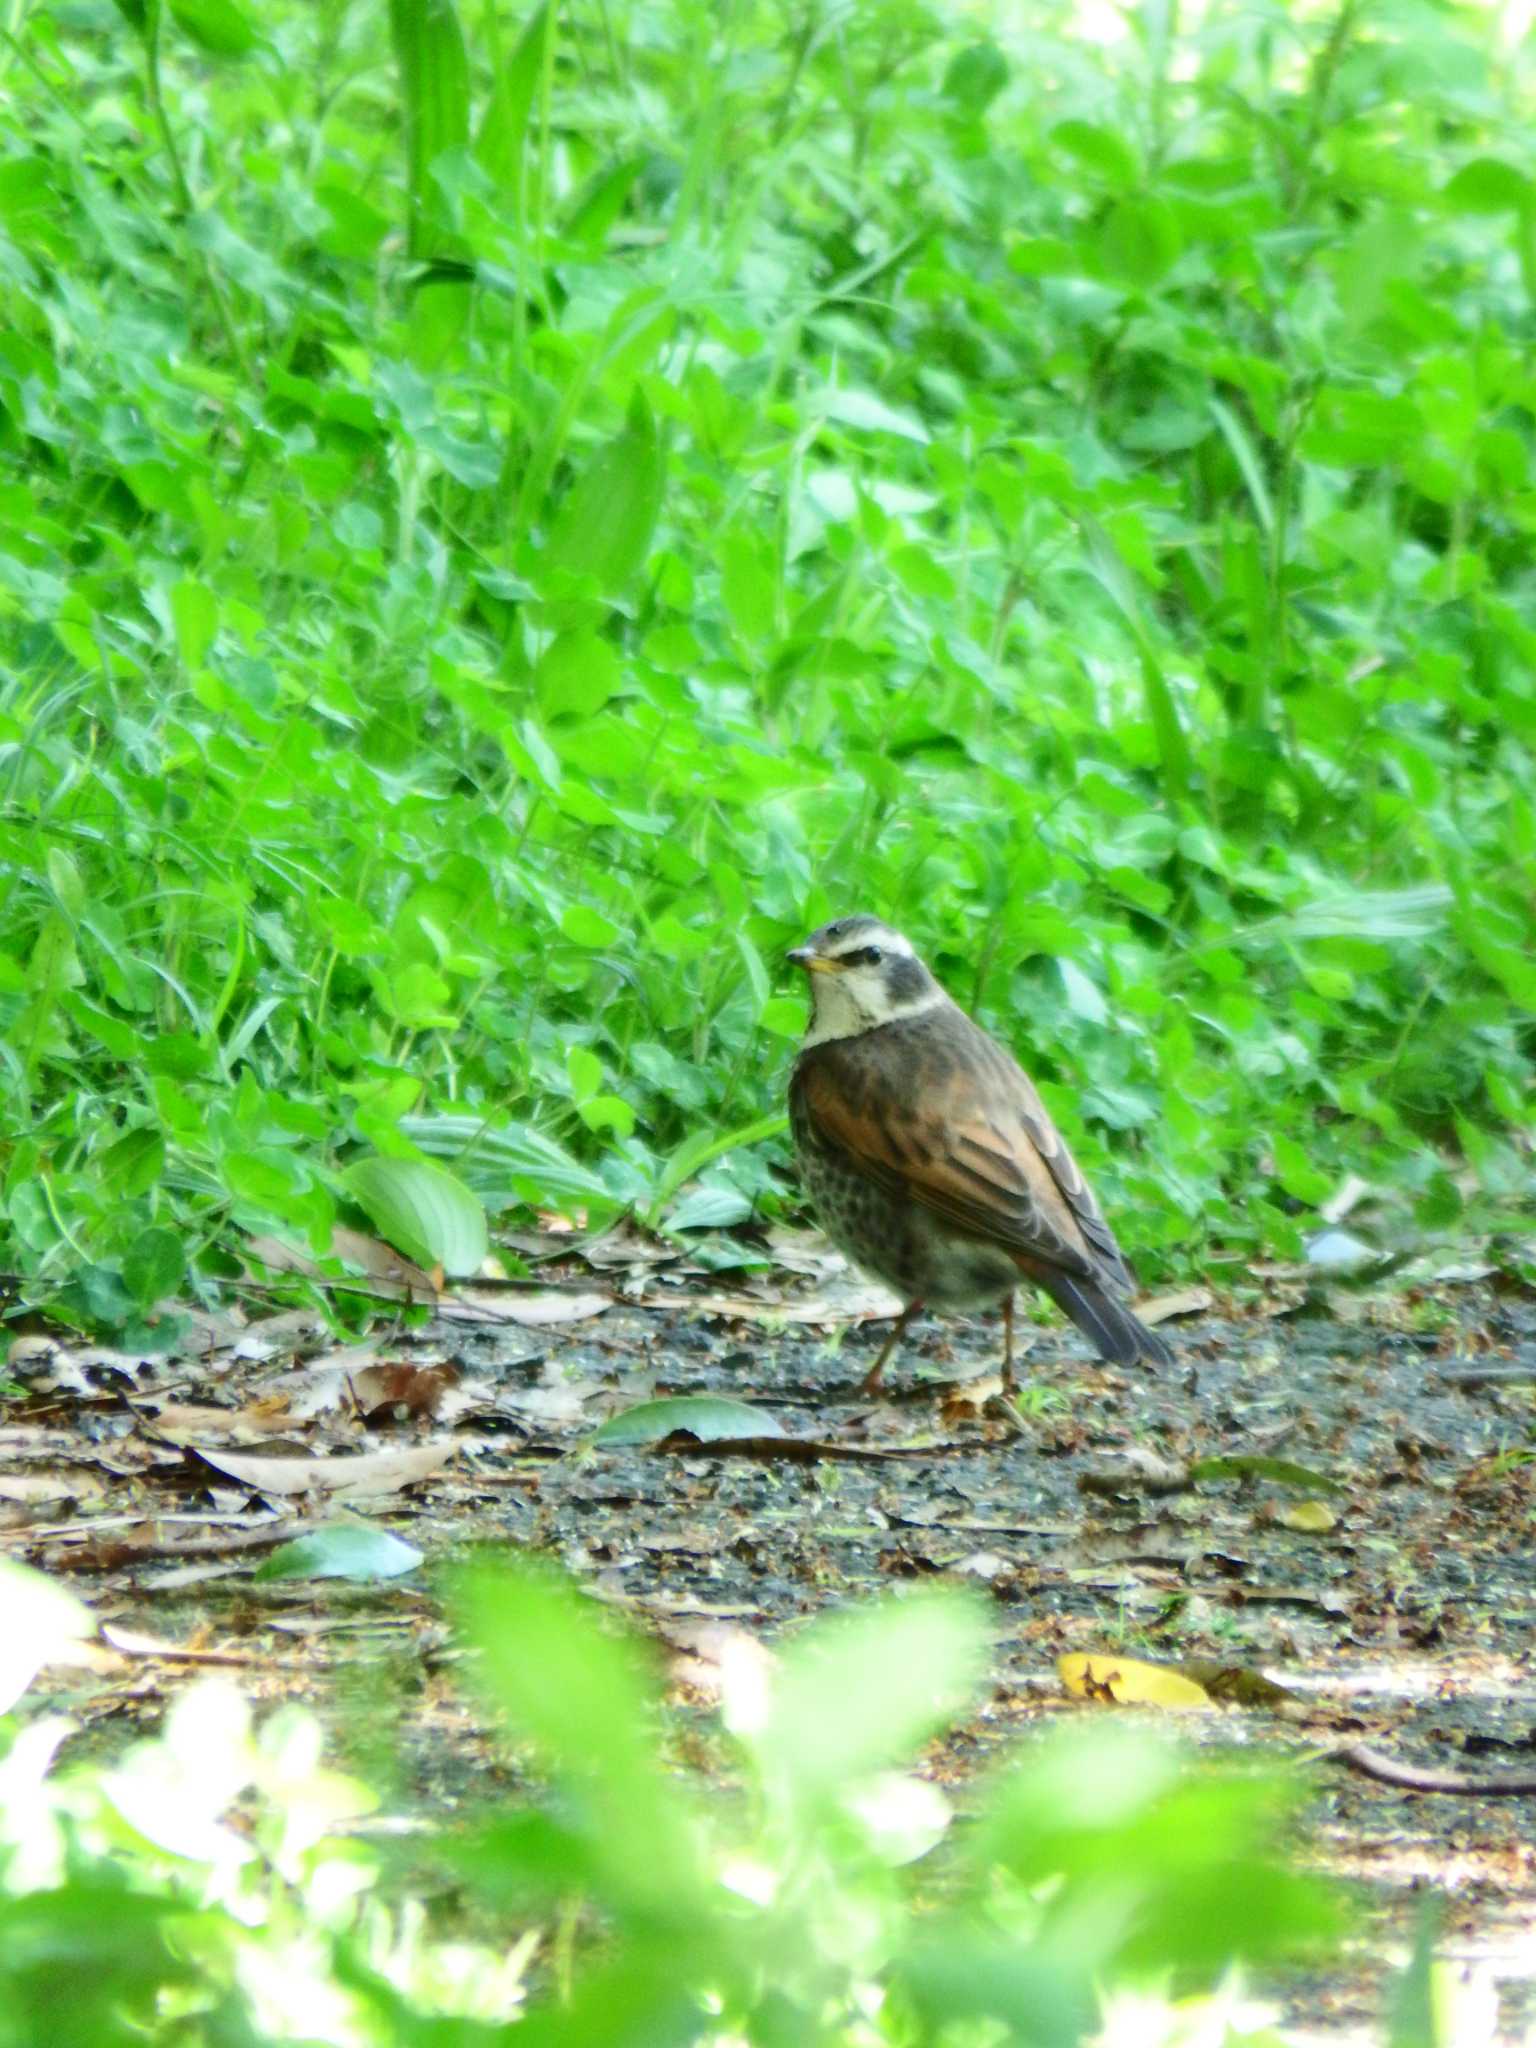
point(1140, 241)
point(511, 1162)
point(864, 409)
point(698, 1152)
point(1099, 150)
point(584, 926)
point(219, 26)
point(975, 77)
point(1295, 1172)
point(42, 1623)
point(604, 523)
point(1280, 1470)
point(154, 1265)
point(423, 1211)
point(499, 145)
point(576, 675)
point(434, 78)
point(712, 1418)
point(341, 1550)
point(66, 882)
point(580, 1694)
point(860, 1691)
point(134, 1163)
point(1488, 186)
point(749, 586)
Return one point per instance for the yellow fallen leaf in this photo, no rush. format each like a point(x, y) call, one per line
point(1311, 1517)
point(1124, 1682)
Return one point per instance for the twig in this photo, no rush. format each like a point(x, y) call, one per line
point(1490, 1375)
point(1372, 1763)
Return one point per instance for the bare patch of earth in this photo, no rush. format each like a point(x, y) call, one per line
point(1402, 1616)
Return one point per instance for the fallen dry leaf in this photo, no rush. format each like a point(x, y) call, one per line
point(369, 1472)
point(533, 1308)
point(280, 1333)
point(1136, 1469)
point(966, 1400)
point(404, 1392)
point(45, 1483)
point(322, 1384)
point(187, 1423)
point(717, 1658)
point(1127, 1682)
point(392, 1273)
point(805, 1251)
point(853, 1301)
point(1183, 1301)
point(1310, 1517)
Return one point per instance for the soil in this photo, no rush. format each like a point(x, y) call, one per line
point(1401, 1425)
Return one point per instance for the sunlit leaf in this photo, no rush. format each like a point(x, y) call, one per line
point(423, 1210)
point(1128, 1682)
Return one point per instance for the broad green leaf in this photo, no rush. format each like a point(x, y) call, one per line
point(422, 1210)
point(585, 926)
point(603, 525)
point(1099, 150)
point(434, 78)
point(154, 1265)
point(576, 675)
point(708, 1208)
point(1488, 186)
point(975, 77)
point(859, 1691)
point(341, 1550)
point(1140, 241)
point(710, 1417)
point(219, 26)
point(510, 1163)
point(863, 409)
point(134, 1163)
point(1296, 1172)
point(579, 1693)
point(699, 1151)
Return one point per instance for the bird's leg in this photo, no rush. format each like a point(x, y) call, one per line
point(1008, 1380)
point(870, 1384)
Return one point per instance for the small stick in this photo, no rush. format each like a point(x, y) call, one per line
point(1373, 1763)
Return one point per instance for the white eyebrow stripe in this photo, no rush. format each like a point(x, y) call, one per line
point(887, 941)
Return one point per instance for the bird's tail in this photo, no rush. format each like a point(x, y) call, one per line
point(1107, 1323)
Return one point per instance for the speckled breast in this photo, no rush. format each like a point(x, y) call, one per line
point(891, 1236)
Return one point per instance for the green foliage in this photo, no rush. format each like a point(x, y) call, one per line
point(203, 1890)
point(499, 537)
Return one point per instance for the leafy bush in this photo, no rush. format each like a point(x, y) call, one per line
point(203, 1891)
point(468, 603)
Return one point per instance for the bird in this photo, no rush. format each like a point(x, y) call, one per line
point(931, 1159)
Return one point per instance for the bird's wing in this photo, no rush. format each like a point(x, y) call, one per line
point(969, 1139)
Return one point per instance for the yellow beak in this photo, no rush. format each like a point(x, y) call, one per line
point(813, 963)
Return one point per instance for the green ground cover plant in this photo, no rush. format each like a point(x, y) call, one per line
point(506, 520)
point(218, 1885)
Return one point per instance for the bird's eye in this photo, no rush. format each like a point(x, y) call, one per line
point(866, 956)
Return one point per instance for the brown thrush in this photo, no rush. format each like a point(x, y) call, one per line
point(930, 1156)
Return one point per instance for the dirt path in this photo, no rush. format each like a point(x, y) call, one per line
point(1395, 1607)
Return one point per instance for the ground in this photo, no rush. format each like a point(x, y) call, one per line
point(1370, 1549)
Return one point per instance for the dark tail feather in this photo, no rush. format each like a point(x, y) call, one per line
point(1108, 1324)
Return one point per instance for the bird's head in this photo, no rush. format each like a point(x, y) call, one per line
point(862, 974)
